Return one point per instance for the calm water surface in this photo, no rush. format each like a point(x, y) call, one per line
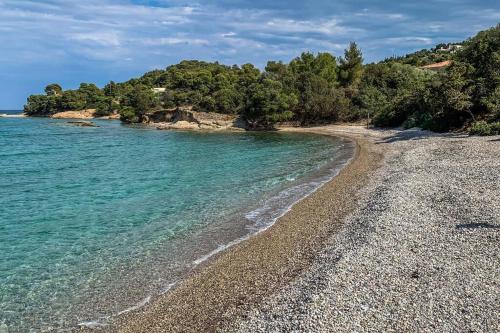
point(97, 221)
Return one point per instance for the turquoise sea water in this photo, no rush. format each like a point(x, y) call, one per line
point(97, 221)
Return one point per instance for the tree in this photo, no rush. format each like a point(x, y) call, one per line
point(482, 54)
point(53, 90)
point(91, 94)
point(36, 105)
point(267, 103)
point(320, 101)
point(140, 100)
point(492, 103)
point(351, 66)
point(313, 80)
point(111, 89)
point(128, 115)
point(105, 106)
point(457, 88)
point(72, 100)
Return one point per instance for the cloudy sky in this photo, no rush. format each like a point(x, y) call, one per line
point(73, 41)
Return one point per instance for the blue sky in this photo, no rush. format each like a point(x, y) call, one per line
point(69, 41)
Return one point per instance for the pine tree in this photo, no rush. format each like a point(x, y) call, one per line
point(351, 66)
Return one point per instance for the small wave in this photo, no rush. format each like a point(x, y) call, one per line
point(12, 115)
point(93, 324)
point(167, 288)
point(102, 322)
point(221, 248)
point(135, 307)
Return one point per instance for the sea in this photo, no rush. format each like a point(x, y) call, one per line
point(99, 221)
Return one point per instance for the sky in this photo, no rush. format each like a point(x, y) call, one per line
point(70, 41)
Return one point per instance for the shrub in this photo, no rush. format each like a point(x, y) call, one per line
point(483, 128)
point(128, 115)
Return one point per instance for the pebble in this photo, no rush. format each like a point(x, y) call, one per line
point(420, 253)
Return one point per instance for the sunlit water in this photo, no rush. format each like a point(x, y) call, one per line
point(97, 221)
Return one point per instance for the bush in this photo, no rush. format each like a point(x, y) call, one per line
point(418, 119)
point(128, 115)
point(483, 128)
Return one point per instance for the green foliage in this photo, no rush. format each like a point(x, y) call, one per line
point(267, 102)
point(463, 92)
point(105, 106)
point(313, 88)
point(141, 99)
point(313, 80)
point(72, 100)
point(39, 105)
point(492, 103)
point(351, 66)
point(128, 115)
point(483, 128)
point(53, 89)
point(482, 54)
point(389, 92)
point(427, 57)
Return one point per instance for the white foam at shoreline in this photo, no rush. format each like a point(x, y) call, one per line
point(94, 323)
point(135, 307)
point(15, 115)
point(167, 288)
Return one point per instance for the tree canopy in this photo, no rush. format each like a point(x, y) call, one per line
point(312, 88)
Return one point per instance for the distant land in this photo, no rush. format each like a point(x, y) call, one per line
point(449, 87)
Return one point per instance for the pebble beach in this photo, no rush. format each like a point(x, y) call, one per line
point(405, 238)
point(419, 254)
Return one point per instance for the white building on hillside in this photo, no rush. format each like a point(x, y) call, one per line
point(159, 90)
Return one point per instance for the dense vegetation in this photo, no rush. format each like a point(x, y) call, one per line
point(314, 88)
point(439, 53)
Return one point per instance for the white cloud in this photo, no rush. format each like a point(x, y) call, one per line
point(409, 40)
point(376, 15)
point(228, 34)
point(106, 38)
point(108, 30)
point(174, 41)
point(330, 27)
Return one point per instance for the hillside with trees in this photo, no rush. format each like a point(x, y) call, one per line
point(439, 53)
point(314, 88)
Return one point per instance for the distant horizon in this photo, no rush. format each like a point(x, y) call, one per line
point(97, 41)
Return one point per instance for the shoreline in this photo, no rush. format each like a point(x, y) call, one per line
point(236, 277)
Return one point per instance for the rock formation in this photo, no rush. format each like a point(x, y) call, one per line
point(186, 118)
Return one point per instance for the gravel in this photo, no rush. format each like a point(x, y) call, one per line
point(420, 253)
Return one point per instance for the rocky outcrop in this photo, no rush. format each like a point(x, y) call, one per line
point(114, 116)
point(82, 123)
point(186, 118)
point(82, 114)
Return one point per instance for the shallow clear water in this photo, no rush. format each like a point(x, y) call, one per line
point(93, 221)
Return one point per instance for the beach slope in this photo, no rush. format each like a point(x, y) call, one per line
point(419, 254)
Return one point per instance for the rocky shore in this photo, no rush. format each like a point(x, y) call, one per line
point(405, 238)
point(184, 118)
